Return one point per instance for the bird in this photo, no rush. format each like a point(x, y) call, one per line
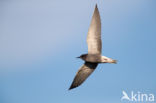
point(93, 57)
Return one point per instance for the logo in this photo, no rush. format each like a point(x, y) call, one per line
point(137, 97)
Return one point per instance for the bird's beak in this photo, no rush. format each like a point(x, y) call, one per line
point(114, 61)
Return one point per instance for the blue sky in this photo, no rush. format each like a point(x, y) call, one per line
point(39, 41)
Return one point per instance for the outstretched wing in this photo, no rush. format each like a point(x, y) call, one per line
point(82, 74)
point(94, 34)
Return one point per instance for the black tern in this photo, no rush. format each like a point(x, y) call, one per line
point(94, 57)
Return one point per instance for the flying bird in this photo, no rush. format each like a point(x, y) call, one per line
point(94, 57)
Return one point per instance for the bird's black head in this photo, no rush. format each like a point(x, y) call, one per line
point(83, 56)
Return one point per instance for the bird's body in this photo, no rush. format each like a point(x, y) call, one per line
point(94, 57)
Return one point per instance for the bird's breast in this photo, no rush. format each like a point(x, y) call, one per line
point(93, 58)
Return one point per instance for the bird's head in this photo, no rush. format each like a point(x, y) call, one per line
point(113, 61)
point(108, 60)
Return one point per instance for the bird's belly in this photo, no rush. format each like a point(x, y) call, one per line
point(93, 59)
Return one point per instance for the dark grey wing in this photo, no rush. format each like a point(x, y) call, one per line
point(83, 73)
point(94, 34)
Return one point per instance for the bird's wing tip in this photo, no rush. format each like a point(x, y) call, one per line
point(96, 6)
point(71, 88)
